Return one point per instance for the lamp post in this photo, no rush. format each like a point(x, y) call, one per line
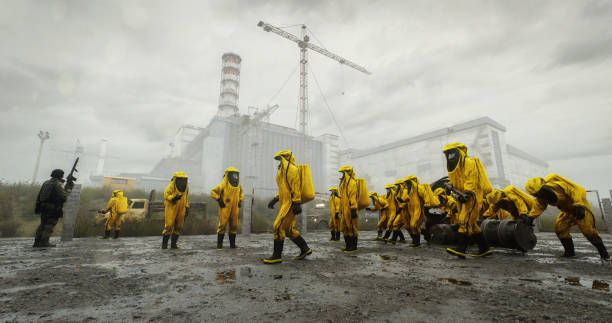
point(43, 136)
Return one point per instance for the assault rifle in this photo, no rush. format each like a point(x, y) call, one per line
point(70, 179)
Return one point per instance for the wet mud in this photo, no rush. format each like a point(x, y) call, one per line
point(132, 279)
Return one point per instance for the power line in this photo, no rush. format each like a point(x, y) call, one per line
point(315, 36)
point(328, 107)
point(283, 86)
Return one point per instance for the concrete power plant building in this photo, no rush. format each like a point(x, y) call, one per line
point(422, 156)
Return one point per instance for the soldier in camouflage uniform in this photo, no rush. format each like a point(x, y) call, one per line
point(49, 204)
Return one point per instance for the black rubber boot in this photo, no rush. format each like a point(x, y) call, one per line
point(337, 235)
point(165, 239)
point(116, 234)
point(276, 257)
point(173, 242)
point(568, 245)
point(106, 234)
point(46, 244)
point(333, 236)
point(304, 250)
point(350, 246)
point(603, 253)
point(378, 236)
point(346, 243)
point(220, 241)
point(232, 239)
point(416, 241)
point(394, 237)
point(355, 241)
point(402, 239)
point(483, 246)
point(459, 251)
point(36, 241)
point(386, 236)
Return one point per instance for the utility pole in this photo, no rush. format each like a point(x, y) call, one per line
point(43, 136)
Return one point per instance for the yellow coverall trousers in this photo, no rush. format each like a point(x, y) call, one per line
point(468, 216)
point(228, 214)
point(565, 221)
point(114, 220)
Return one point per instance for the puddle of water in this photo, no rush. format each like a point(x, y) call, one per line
point(456, 282)
point(226, 277)
point(601, 285)
point(387, 257)
point(593, 283)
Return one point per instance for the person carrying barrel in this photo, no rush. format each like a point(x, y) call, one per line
point(570, 199)
point(511, 203)
point(470, 184)
point(447, 204)
point(379, 204)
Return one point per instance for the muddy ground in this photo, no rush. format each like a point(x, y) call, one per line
point(132, 279)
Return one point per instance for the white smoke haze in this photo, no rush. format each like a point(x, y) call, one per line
point(132, 72)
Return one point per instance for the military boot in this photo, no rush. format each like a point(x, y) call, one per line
point(459, 251)
point(36, 241)
point(603, 253)
point(116, 234)
point(304, 250)
point(276, 257)
point(416, 241)
point(165, 239)
point(568, 245)
point(232, 239)
point(106, 234)
point(173, 241)
point(46, 244)
point(483, 246)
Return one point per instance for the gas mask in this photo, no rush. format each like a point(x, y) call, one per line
point(408, 186)
point(233, 178)
point(452, 159)
point(278, 162)
point(372, 199)
point(181, 183)
point(341, 176)
point(398, 187)
point(389, 191)
point(547, 194)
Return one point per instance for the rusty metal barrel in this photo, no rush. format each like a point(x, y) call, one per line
point(510, 234)
point(443, 234)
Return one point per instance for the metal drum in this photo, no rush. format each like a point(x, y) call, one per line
point(444, 234)
point(510, 234)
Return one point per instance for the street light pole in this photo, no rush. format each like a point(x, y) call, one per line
point(43, 136)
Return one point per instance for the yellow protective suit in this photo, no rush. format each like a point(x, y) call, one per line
point(521, 201)
point(174, 212)
point(348, 201)
point(447, 204)
point(289, 190)
point(468, 176)
point(401, 204)
point(114, 219)
point(420, 197)
point(334, 208)
point(380, 205)
point(569, 195)
point(231, 196)
point(392, 206)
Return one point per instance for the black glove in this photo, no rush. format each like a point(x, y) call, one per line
point(272, 202)
point(296, 208)
point(176, 198)
point(239, 204)
point(336, 216)
point(186, 212)
point(221, 203)
point(353, 213)
point(579, 211)
point(102, 211)
point(527, 219)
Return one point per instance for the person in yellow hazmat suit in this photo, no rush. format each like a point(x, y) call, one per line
point(447, 204)
point(229, 196)
point(334, 218)
point(290, 197)
point(575, 209)
point(509, 203)
point(401, 218)
point(348, 208)
point(379, 204)
point(176, 208)
point(114, 218)
point(391, 212)
point(470, 184)
point(420, 199)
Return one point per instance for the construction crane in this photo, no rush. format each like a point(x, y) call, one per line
point(304, 44)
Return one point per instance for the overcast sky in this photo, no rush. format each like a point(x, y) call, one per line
point(134, 71)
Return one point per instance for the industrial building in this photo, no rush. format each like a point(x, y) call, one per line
point(422, 156)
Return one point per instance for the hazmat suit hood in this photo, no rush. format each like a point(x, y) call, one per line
point(179, 180)
point(536, 187)
point(347, 173)
point(285, 157)
point(455, 154)
point(334, 190)
point(495, 196)
point(410, 182)
point(398, 185)
point(232, 176)
point(117, 193)
point(373, 196)
point(389, 188)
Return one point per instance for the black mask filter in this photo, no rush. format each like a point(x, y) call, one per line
point(181, 183)
point(452, 159)
point(546, 193)
point(233, 178)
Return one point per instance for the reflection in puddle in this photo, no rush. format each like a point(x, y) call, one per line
point(595, 284)
point(601, 285)
point(386, 257)
point(574, 281)
point(226, 277)
point(456, 282)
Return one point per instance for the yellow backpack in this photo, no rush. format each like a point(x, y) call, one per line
point(122, 205)
point(362, 194)
point(308, 192)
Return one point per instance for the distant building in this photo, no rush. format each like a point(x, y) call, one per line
point(422, 156)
